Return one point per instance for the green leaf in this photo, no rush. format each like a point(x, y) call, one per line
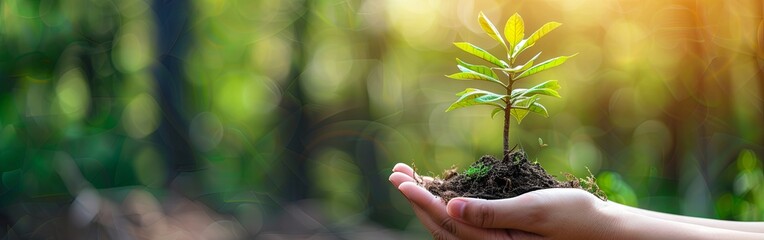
point(478, 68)
point(538, 108)
point(459, 94)
point(467, 74)
point(472, 96)
point(521, 68)
point(548, 27)
point(490, 29)
point(517, 92)
point(514, 30)
point(519, 114)
point(524, 102)
point(529, 64)
point(496, 111)
point(548, 88)
point(542, 144)
point(479, 52)
point(544, 66)
point(521, 46)
point(530, 41)
point(542, 91)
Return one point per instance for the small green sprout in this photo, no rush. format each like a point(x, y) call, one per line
point(542, 144)
point(517, 102)
point(477, 170)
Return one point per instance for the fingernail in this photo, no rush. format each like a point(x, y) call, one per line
point(405, 193)
point(456, 208)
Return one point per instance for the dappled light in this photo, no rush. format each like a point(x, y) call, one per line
point(213, 119)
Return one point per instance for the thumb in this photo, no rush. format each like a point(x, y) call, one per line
point(523, 212)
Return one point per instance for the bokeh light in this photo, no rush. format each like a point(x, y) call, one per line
point(282, 119)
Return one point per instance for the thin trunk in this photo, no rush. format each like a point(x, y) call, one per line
point(507, 114)
point(506, 131)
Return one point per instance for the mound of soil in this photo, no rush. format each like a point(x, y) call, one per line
point(489, 178)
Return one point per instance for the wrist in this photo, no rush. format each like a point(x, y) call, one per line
point(624, 224)
point(630, 225)
point(620, 224)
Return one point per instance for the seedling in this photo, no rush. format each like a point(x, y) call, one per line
point(513, 175)
point(517, 102)
point(542, 144)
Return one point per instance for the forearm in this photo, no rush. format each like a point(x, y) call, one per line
point(755, 227)
point(630, 225)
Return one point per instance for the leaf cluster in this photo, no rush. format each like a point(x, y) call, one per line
point(477, 170)
point(516, 101)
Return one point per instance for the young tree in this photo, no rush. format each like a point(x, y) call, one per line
point(517, 102)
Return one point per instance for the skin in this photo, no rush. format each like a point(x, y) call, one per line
point(555, 214)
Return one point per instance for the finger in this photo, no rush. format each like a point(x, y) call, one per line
point(523, 235)
point(436, 230)
point(531, 211)
point(397, 178)
point(403, 168)
point(406, 169)
point(435, 210)
point(521, 212)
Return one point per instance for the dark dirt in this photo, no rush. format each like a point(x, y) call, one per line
point(514, 175)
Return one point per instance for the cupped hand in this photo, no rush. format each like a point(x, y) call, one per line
point(433, 213)
point(559, 213)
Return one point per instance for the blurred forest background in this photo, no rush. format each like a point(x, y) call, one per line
point(140, 119)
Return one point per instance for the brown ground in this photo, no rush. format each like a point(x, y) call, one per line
point(489, 178)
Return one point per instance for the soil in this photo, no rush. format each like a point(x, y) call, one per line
point(489, 178)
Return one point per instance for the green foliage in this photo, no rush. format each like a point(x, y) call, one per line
point(477, 68)
point(468, 74)
point(544, 66)
point(477, 170)
point(542, 144)
point(514, 30)
point(489, 28)
point(479, 52)
point(548, 27)
point(472, 96)
point(517, 102)
point(548, 88)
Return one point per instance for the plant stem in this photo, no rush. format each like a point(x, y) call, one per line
point(506, 115)
point(506, 130)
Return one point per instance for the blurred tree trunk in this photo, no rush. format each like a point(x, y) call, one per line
point(173, 41)
point(295, 122)
point(759, 59)
point(688, 114)
point(708, 115)
point(368, 150)
point(303, 134)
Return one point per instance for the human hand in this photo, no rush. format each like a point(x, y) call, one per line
point(433, 214)
point(543, 214)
